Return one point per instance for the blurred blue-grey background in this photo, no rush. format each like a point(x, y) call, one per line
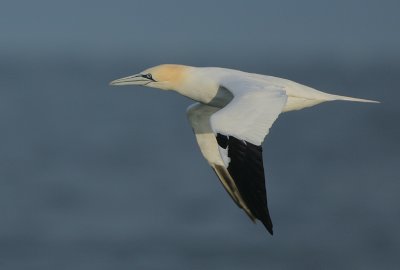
point(95, 177)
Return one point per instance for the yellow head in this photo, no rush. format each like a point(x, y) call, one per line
point(166, 77)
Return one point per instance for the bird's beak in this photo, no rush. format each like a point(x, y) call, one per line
point(136, 79)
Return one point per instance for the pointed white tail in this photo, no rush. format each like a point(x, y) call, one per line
point(335, 97)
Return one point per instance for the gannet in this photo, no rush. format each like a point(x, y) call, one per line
point(233, 113)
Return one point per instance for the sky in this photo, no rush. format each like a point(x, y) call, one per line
point(351, 28)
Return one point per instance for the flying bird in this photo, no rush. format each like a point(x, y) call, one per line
point(233, 113)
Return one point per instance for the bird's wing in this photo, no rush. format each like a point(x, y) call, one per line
point(240, 128)
point(199, 117)
point(252, 111)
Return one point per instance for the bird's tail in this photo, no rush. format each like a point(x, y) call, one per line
point(336, 97)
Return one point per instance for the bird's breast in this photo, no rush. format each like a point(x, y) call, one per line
point(220, 98)
point(213, 95)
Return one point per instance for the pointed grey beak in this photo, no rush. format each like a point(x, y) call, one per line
point(136, 79)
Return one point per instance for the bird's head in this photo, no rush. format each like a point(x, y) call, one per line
point(165, 77)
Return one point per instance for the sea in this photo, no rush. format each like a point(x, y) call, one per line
point(100, 177)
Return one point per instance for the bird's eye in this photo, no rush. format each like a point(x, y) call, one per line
point(148, 76)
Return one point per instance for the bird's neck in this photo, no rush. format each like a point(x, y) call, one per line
point(198, 86)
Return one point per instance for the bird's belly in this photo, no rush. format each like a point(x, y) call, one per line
point(220, 98)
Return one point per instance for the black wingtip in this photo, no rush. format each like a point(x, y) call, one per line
point(247, 171)
point(268, 226)
point(267, 221)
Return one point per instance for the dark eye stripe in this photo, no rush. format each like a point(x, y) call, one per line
point(148, 76)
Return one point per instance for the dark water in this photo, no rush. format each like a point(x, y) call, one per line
point(95, 177)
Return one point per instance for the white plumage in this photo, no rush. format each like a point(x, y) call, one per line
point(232, 116)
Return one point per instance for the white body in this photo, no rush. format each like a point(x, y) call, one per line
point(203, 85)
